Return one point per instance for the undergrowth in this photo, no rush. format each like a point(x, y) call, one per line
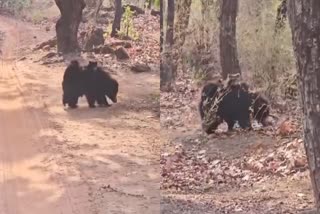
point(265, 56)
point(14, 6)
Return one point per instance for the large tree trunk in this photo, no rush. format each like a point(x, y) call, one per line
point(68, 24)
point(161, 27)
point(117, 18)
point(304, 17)
point(168, 68)
point(228, 43)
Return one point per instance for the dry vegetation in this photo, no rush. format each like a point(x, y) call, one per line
point(262, 171)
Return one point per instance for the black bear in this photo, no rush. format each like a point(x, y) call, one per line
point(235, 106)
point(208, 94)
point(260, 108)
point(72, 84)
point(98, 85)
point(208, 106)
point(229, 103)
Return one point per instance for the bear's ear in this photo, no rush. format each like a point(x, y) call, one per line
point(93, 64)
point(74, 62)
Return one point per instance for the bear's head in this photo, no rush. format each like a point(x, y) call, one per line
point(93, 65)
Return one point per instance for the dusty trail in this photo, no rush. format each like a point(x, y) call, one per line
point(53, 161)
point(23, 189)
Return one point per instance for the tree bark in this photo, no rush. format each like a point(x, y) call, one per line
point(170, 23)
point(228, 42)
point(168, 67)
point(183, 15)
point(161, 26)
point(68, 24)
point(304, 18)
point(117, 18)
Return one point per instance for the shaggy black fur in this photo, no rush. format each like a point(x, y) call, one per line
point(260, 107)
point(91, 81)
point(98, 85)
point(72, 84)
point(232, 104)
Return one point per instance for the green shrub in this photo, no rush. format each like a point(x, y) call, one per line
point(127, 27)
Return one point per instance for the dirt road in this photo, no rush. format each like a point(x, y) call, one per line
point(83, 161)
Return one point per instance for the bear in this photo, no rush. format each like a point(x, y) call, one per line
point(235, 106)
point(208, 93)
point(260, 108)
point(208, 107)
point(98, 85)
point(72, 84)
point(230, 103)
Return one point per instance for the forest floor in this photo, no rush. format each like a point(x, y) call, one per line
point(261, 171)
point(56, 160)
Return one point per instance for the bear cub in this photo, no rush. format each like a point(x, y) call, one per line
point(231, 102)
point(91, 81)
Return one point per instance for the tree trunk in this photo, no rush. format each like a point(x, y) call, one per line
point(117, 18)
point(228, 42)
point(68, 24)
point(169, 40)
point(161, 27)
point(304, 18)
point(168, 67)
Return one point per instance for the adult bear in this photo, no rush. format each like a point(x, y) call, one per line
point(208, 107)
point(260, 108)
point(98, 85)
point(208, 94)
point(235, 106)
point(72, 84)
point(229, 103)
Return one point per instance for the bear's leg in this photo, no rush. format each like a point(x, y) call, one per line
point(73, 102)
point(210, 128)
point(64, 99)
point(262, 114)
point(91, 100)
point(201, 110)
point(230, 123)
point(245, 123)
point(102, 100)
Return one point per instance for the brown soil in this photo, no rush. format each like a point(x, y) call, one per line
point(52, 160)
